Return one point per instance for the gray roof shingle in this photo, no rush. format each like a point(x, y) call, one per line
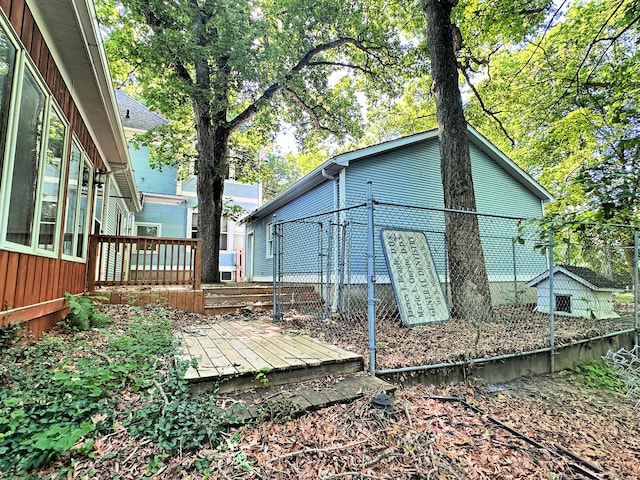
point(136, 116)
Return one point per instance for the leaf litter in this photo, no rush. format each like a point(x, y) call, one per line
point(422, 437)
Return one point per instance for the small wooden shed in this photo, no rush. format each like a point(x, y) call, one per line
point(577, 292)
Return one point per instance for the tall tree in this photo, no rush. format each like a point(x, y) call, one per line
point(231, 63)
point(567, 102)
point(469, 282)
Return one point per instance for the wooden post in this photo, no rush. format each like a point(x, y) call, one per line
point(91, 265)
point(197, 267)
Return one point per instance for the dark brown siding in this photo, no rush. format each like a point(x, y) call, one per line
point(25, 279)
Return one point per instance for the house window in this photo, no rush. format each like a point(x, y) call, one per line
point(33, 136)
point(78, 186)
point(563, 303)
point(224, 227)
point(50, 193)
point(147, 230)
point(24, 179)
point(194, 225)
point(7, 67)
point(269, 240)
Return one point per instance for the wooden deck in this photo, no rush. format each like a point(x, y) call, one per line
point(237, 355)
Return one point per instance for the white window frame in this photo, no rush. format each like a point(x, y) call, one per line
point(62, 178)
point(23, 64)
point(146, 224)
point(189, 227)
point(84, 162)
point(269, 230)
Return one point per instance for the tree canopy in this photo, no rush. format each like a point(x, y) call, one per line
point(236, 69)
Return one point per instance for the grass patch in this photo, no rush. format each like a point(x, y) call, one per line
point(599, 375)
point(61, 393)
point(626, 297)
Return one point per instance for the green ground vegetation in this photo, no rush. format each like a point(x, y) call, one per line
point(599, 375)
point(59, 394)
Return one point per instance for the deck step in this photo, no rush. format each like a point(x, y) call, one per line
point(280, 376)
point(247, 289)
point(279, 403)
point(217, 299)
point(220, 309)
point(221, 299)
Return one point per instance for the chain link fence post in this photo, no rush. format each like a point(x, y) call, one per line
point(552, 307)
point(371, 301)
point(635, 287)
point(276, 281)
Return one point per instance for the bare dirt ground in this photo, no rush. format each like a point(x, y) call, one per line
point(563, 430)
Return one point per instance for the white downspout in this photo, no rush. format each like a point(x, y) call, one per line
point(336, 238)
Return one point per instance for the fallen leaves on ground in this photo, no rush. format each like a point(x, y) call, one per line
point(422, 438)
point(515, 329)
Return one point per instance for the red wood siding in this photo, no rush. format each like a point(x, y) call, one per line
point(26, 279)
point(29, 279)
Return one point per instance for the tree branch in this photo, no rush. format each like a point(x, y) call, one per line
point(345, 65)
point(304, 62)
point(492, 114)
point(310, 110)
point(538, 45)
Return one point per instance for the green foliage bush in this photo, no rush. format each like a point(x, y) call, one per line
point(83, 313)
point(58, 394)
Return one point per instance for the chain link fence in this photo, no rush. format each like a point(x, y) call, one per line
point(408, 286)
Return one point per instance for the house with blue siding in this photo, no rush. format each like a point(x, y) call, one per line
point(170, 203)
point(403, 172)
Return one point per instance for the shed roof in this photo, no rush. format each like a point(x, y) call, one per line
point(338, 162)
point(582, 275)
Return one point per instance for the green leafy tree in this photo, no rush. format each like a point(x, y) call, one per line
point(568, 97)
point(227, 67)
point(565, 107)
point(448, 58)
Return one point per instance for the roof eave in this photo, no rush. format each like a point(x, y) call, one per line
point(86, 73)
point(303, 185)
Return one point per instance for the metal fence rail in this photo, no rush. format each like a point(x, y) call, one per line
point(333, 271)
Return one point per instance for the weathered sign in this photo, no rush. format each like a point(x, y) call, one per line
point(415, 281)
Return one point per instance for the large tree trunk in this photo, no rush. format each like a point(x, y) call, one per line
point(470, 296)
point(212, 144)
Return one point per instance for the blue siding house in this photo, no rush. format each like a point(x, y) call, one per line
point(404, 171)
point(169, 204)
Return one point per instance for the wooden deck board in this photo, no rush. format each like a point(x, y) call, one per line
point(260, 347)
point(331, 351)
point(217, 357)
point(235, 350)
point(297, 352)
point(192, 350)
point(252, 360)
point(233, 357)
